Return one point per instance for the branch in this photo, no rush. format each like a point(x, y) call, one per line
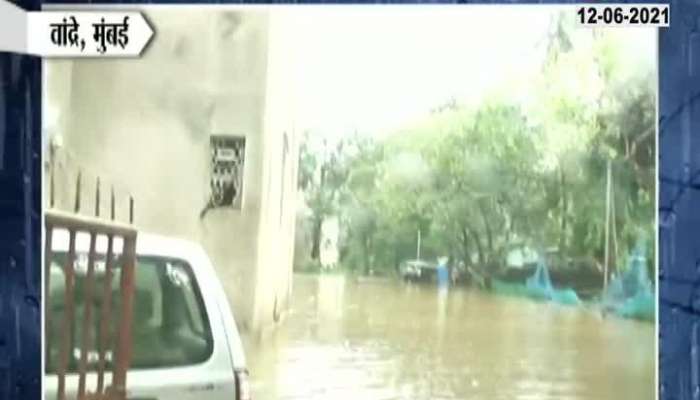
point(638, 140)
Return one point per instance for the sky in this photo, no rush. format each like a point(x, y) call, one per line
point(376, 70)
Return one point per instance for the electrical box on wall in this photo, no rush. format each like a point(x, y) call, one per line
point(227, 166)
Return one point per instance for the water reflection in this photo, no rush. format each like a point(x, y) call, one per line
point(441, 312)
point(378, 339)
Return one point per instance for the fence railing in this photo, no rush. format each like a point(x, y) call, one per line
point(113, 347)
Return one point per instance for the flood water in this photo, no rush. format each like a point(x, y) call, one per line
point(379, 339)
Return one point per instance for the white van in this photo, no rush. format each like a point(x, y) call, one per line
point(184, 337)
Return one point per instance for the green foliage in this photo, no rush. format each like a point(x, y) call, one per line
point(477, 181)
point(309, 267)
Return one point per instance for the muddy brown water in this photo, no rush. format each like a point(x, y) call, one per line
point(379, 339)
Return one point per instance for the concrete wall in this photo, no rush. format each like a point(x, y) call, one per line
point(144, 126)
point(278, 213)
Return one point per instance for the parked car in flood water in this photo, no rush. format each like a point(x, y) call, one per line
point(417, 270)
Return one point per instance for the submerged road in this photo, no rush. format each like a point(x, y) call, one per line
point(378, 339)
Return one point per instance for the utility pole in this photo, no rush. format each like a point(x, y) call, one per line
point(418, 246)
point(608, 193)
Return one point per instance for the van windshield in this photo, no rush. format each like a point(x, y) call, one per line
point(170, 326)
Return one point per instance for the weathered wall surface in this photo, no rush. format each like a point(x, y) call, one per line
point(145, 126)
point(278, 212)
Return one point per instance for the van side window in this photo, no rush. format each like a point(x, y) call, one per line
point(194, 310)
point(179, 277)
point(170, 325)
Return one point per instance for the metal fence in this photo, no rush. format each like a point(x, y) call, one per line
point(97, 323)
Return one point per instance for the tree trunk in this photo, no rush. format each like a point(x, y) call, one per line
point(370, 252)
point(466, 249)
point(397, 259)
point(316, 238)
point(366, 255)
point(479, 247)
point(489, 234)
point(564, 210)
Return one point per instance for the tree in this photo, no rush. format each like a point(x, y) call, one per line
point(476, 181)
point(322, 175)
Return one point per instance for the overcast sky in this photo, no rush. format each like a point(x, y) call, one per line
point(377, 69)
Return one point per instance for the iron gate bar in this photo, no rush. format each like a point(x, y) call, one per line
point(123, 356)
point(66, 327)
point(106, 316)
point(106, 311)
point(87, 318)
point(77, 192)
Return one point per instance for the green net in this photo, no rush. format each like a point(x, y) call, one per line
point(631, 294)
point(538, 287)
